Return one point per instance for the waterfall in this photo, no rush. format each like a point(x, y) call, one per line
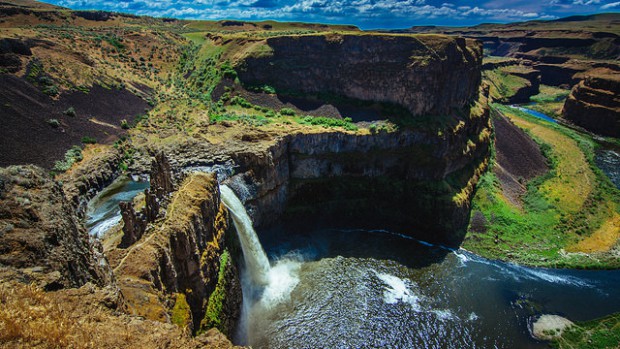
point(255, 258)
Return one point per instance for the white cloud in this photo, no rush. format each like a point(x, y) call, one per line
point(610, 5)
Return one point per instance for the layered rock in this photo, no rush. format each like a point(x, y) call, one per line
point(161, 186)
point(182, 255)
point(594, 103)
point(41, 239)
point(415, 180)
point(426, 74)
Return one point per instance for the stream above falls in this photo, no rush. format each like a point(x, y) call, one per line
point(103, 212)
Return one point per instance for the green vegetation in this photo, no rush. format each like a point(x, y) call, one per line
point(54, 123)
point(70, 112)
point(287, 111)
point(89, 140)
point(550, 100)
point(345, 123)
point(72, 156)
point(181, 312)
point(572, 208)
point(215, 305)
point(503, 85)
point(601, 333)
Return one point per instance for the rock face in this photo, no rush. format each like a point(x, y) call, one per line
point(594, 103)
point(41, 239)
point(426, 74)
point(161, 186)
point(415, 181)
point(182, 255)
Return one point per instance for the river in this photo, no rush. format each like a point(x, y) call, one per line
point(103, 211)
point(375, 289)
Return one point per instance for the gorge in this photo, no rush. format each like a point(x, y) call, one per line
point(291, 185)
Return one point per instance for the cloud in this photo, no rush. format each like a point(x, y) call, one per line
point(365, 13)
point(610, 5)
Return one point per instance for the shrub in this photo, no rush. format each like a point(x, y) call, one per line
point(240, 101)
point(54, 123)
point(287, 111)
point(51, 90)
point(124, 124)
point(70, 112)
point(89, 140)
point(72, 156)
point(345, 123)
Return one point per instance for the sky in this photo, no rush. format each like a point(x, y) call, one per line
point(367, 14)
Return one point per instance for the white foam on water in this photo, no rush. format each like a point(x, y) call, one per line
point(282, 278)
point(399, 290)
point(104, 226)
point(518, 272)
point(444, 314)
point(473, 317)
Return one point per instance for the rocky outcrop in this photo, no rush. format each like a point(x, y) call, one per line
point(89, 177)
point(181, 254)
point(41, 239)
point(161, 186)
point(162, 182)
point(428, 74)
point(134, 224)
point(594, 103)
point(11, 51)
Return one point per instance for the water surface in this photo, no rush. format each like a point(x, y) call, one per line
point(103, 211)
point(609, 161)
point(374, 289)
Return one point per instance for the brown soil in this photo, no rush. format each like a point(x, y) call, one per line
point(27, 137)
point(519, 159)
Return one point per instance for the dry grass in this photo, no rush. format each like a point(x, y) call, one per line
point(602, 240)
point(30, 317)
point(574, 179)
point(76, 318)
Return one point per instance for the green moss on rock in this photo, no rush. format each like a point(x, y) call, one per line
point(215, 304)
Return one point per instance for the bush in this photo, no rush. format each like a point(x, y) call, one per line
point(124, 124)
point(345, 123)
point(70, 112)
point(72, 156)
point(89, 140)
point(54, 123)
point(287, 111)
point(240, 101)
point(51, 90)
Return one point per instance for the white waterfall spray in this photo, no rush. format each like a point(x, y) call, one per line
point(256, 260)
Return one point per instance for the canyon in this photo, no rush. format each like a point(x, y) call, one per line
point(312, 127)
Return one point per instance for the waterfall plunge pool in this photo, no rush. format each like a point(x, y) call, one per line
point(375, 289)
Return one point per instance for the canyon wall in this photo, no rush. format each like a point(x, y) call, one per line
point(409, 181)
point(594, 103)
point(177, 270)
point(41, 239)
point(426, 74)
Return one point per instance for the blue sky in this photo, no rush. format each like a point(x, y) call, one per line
point(366, 14)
